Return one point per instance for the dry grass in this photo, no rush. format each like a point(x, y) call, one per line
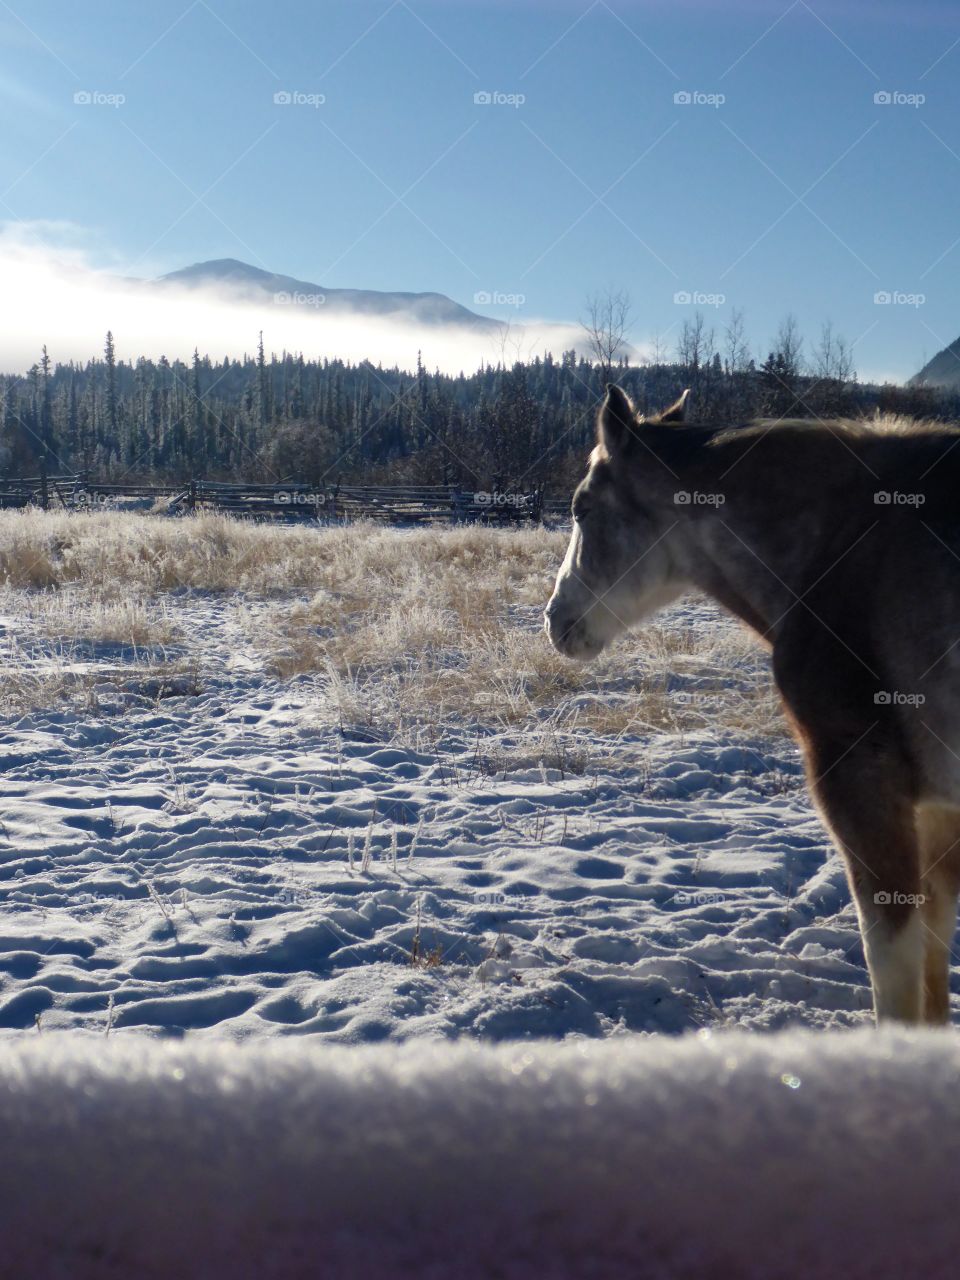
point(406, 631)
point(75, 616)
point(63, 676)
point(141, 554)
point(444, 626)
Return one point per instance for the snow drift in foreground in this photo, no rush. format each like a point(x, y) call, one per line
point(797, 1154)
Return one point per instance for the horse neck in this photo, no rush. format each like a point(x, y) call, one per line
point(757, 552)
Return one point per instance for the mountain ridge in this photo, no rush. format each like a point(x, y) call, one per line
point(426, 308)
point(942, 371)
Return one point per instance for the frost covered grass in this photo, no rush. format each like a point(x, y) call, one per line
point(110, 551)
point(403, 630)
point(72, 617)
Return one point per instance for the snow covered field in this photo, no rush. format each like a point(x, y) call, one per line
point(252, 788)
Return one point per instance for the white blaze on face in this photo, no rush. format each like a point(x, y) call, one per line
point(578, 619)
point(583, 616)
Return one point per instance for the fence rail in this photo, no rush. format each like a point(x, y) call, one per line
point(292, 500)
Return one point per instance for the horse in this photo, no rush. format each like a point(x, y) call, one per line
point(837, 543)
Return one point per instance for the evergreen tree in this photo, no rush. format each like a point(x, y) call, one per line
point(110, 393)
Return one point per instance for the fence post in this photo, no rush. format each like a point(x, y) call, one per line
point(44, 491)
point(192, 499)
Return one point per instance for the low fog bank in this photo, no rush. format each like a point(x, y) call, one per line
point(57, 300)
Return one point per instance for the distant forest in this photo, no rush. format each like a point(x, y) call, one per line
point(519, 424)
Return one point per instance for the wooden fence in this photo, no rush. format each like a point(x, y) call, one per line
point(293, 500)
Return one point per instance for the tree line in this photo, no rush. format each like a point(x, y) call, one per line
point(521, 423)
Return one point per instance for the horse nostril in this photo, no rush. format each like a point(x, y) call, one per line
point(558, 626)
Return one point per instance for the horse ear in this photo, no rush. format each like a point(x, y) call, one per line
point(616, 419)
point(677, 411)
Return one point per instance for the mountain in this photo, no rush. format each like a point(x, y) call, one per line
point(425, 308)
point(942, 371)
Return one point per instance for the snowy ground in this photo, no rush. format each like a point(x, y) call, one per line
point(220, 856)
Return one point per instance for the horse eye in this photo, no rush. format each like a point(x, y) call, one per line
point(580, 511)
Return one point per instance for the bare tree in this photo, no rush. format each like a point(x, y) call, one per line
point(833, 358)
point(605, 325)
point(659, 353)
point(833, 368)
point(511, 340)
point(735, 346)
point(696, 345)
point(788, 345)
point(843, 363)
point(780, 374)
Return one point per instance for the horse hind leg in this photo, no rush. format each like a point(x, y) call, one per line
point(870, 815)
point(938, 828)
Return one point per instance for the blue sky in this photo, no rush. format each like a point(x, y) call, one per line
point(786, 188)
